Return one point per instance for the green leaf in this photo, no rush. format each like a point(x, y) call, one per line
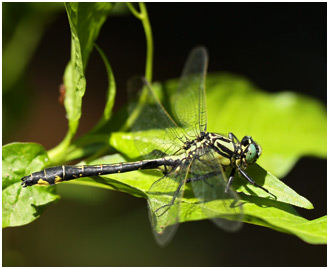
point(111, 91)
point(124, 142)
point(20, 159)
point(95, 142)
point(282, 217)
point(268, 213)
point(287, 125)
point(282, 192)
point(23, 205)
point(86, 20)
point(274, 214)
point(264, 115)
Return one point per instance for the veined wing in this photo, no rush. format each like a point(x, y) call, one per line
point(164, 199)
point(155, 132)
point(208, 184)
point(190, 99)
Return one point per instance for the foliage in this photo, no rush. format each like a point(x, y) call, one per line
point(21, 206)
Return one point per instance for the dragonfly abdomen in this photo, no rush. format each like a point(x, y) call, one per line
point(57, 174)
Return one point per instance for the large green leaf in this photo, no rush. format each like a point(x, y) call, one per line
point(282, 192)
point(23, 205)
point(229, 97)
point(275, 214)
point(235, 105)
point(287, 125)
point(268, 213)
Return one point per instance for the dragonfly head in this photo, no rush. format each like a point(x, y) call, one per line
point(250, 151)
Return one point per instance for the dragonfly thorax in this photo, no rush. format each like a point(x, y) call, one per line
point(230, 151)
point(221, 148)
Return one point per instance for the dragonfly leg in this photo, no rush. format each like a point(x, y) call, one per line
point(250, 180)
point(230, 180)
point(172, 201)
point(233, 138)
point(165, 171)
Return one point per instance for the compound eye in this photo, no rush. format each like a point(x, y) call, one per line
point(251, 154)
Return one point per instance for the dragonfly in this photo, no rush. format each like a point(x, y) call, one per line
point(190, 157)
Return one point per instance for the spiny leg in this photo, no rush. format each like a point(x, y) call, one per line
point(250, 180)
point(233, 138)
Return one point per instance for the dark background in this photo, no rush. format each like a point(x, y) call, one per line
point(278, 46)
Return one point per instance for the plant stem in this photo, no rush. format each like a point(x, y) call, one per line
point(56, 153)
point(134, 11)
point(149, 42)
point(143, 16)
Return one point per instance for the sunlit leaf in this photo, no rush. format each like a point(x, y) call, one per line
point(275, 214)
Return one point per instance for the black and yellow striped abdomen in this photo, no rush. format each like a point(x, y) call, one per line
point(57, 174)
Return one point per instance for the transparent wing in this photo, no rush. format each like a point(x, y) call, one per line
point(155, 132)
point(208, 183)
point(190, 101)
point(164, 199)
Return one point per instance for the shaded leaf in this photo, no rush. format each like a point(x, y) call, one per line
point(86, 20)
point(23, 205)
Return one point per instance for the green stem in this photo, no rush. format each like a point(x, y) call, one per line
point(56, 153)
point(149, 42)
point(143, 17)
point(134, 11)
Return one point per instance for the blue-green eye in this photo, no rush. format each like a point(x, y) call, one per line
point(251, 155)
